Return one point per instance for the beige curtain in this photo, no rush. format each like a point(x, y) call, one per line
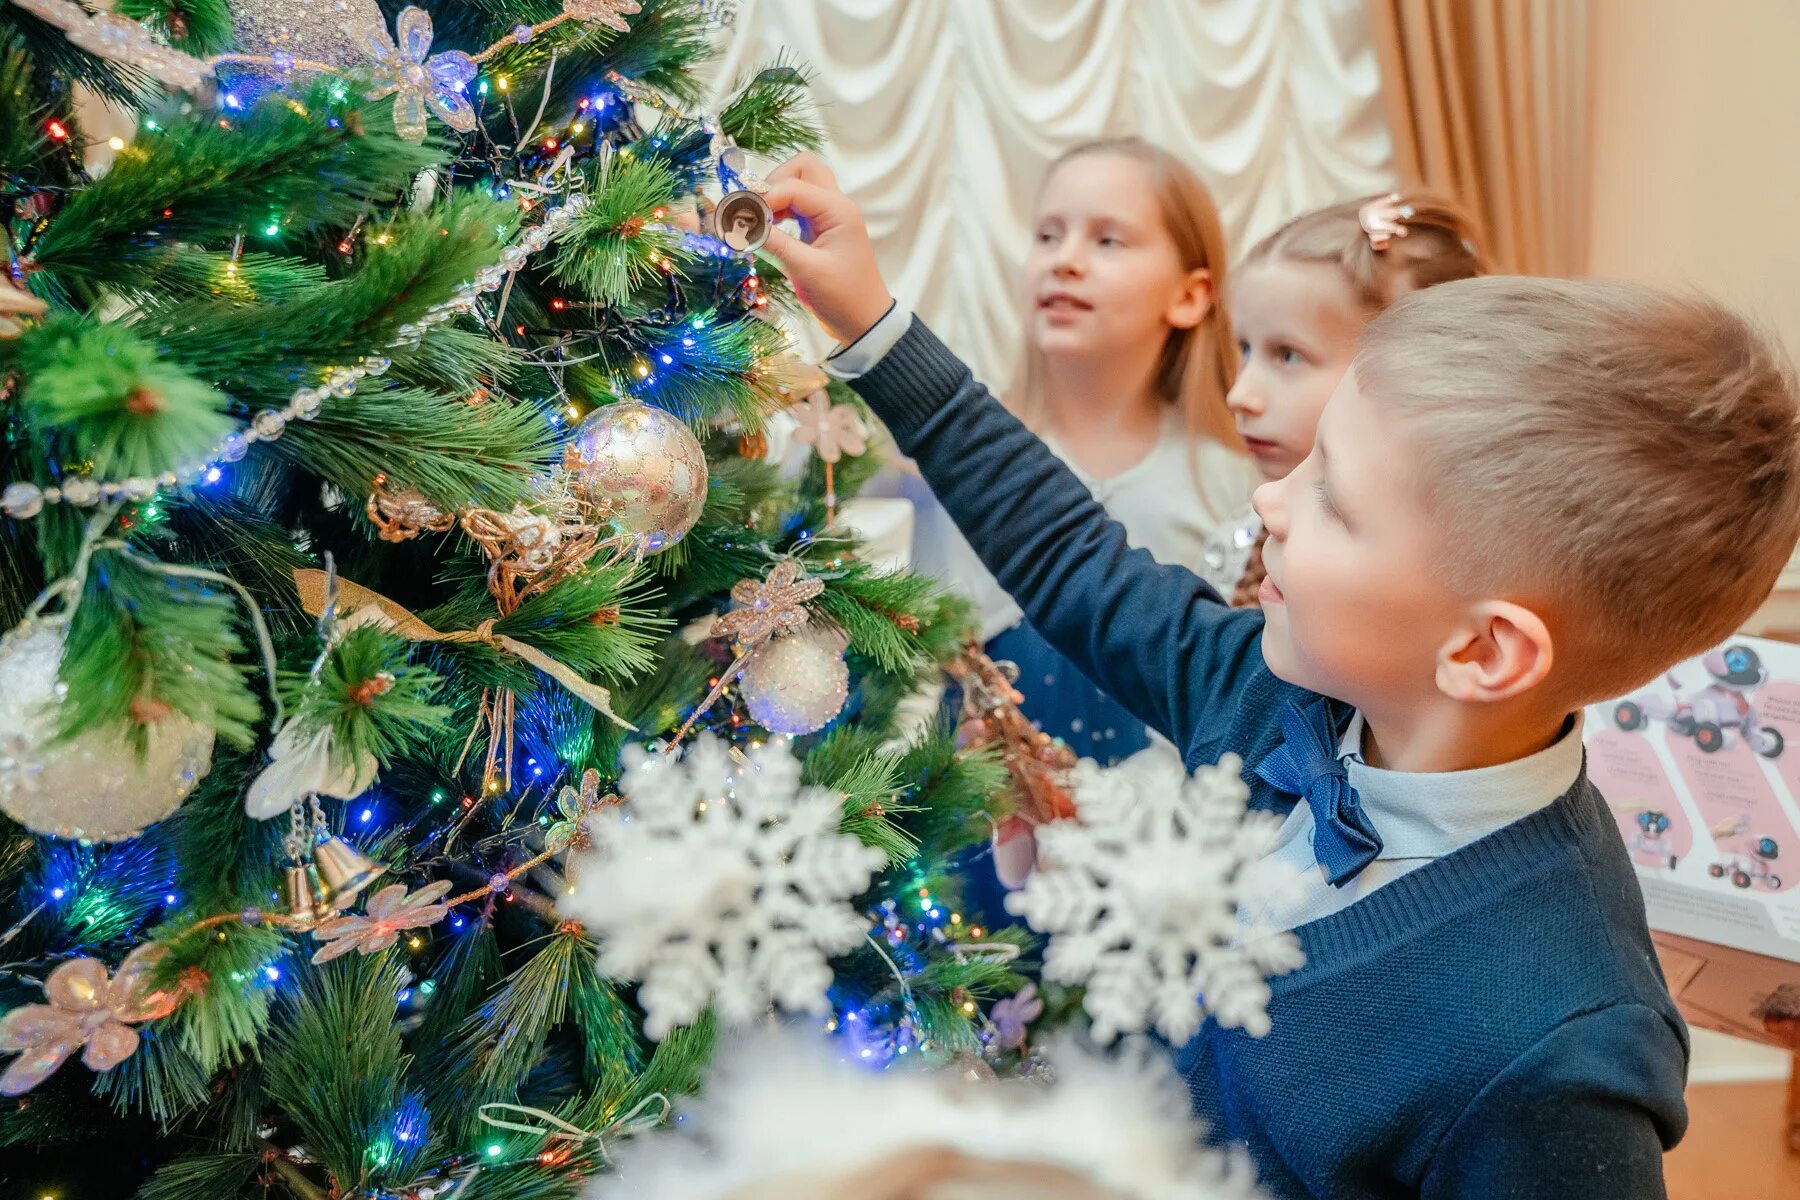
point(942, 115)
point(1488, 100)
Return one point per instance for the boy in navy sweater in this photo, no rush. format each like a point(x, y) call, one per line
point(1526, 496)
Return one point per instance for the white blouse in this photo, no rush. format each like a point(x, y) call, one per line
point(1169, 502)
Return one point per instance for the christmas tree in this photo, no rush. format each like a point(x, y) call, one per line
point(427, 698)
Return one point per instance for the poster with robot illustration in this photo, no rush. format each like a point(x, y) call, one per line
point(1702, 772)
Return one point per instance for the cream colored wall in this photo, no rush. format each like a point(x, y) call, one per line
point(1697, 150)
point(1697, 182)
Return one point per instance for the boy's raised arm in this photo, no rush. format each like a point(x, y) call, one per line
point(1155, 636)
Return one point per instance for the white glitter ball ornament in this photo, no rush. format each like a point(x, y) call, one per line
point(797, 684)
point(94, 787)
point(641, 470)
point(311, 29)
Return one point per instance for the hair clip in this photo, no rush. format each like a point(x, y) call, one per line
point(1384, 219)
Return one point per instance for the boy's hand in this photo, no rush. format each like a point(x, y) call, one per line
point(833, 270)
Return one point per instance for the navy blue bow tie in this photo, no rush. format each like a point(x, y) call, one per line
point(1306, 765)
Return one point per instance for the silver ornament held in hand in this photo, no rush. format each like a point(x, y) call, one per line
point(94, 787)
point(640, 471)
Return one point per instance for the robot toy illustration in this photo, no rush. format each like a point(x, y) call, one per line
point(1725, 704)
point(1652, 839)
point(1748, 857)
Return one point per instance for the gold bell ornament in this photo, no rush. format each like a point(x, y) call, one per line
point(308, 898)
point(325, 873)
point(345, 870)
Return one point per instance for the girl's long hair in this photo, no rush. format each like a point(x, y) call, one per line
point(1198, 364)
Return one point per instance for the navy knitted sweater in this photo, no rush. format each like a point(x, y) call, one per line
point(1492, 1024)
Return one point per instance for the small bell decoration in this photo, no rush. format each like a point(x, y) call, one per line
point(307, 897)
point(345, 870)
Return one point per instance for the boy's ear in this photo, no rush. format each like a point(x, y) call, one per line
point(1501, 651)
point(1194, 302)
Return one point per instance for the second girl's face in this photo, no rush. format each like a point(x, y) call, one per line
point(1296, 325)
point(1103, 275)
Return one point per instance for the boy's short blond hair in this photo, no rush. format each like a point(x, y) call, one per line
point(1622, 460)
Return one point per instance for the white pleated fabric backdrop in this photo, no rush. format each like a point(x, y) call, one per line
point(942, 116)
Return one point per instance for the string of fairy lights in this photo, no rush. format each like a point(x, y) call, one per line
point(98, 890)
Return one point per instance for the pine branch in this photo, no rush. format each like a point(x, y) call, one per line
point(850, 760)
point(597, 623)
point(454, 454)
point(225, 1020)
point(95, 895)
point(771, 113)
point(335, 1064)
point(880, 611)
point(658, 702)
point(60, 59)
point(257, 350)
point(667, 39)
point(103, 393)
point(375, 701)
point(161, 1079)
point(951, 790)
point(143, 643)
point(173, 274)
point(201, 1177)
point(232, 535)
point(608, 252)
point(199, 27)
point(702, 368)
point(466, 969)
point(504, 1039)
point(297, 164)
point(24, 111)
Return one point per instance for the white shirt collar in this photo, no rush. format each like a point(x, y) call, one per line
point(1431, 815)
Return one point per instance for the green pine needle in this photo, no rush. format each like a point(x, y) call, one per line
point(505, 1038)
point(390, 717)
point(258, 350)
point(772, 114)
point(161, 1079)
point(104, 389)
point(456, 455)
point(596, 623)
point(335, 1064)
point(141, 636)
point(223, 1023)
point(199, 27)
point(201, 180)
point(607, 253)
point(202, 1177)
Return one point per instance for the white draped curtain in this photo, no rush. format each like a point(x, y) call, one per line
point(942, 115)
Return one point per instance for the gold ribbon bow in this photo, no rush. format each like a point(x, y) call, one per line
point(353, 597)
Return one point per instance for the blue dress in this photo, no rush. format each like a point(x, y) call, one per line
point(1065, 703)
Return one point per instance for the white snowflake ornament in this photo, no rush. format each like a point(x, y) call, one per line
point(1140, 895)
point(721, 883)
